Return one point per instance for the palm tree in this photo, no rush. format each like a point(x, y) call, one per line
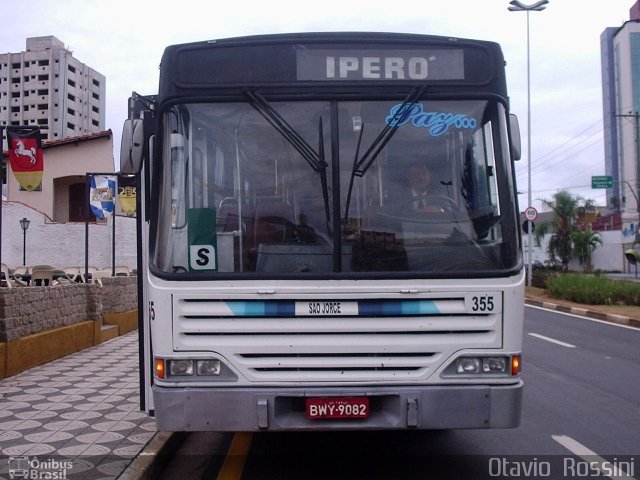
point(584, 242)
point(564, 208)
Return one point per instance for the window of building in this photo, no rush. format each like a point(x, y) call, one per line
point(42, 121)
point(71, 111)
point(43, 106)
point(95, 123)
point(15, 65)
point(96, 96)
point(15, 94)
point(71, 126)
point(96, 82)
point(15, 109)
point(95, 109)
point(71, 97)
point(43, 78)
point(15, 79)
point(72, 69)
point(78, 203)
point(43, 63)
point(71, 83)
point(43, 92)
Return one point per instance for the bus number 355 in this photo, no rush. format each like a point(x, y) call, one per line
point(482, 304)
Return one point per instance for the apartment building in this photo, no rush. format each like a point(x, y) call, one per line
point(46, 86)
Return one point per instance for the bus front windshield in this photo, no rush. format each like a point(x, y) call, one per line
point(415, 187)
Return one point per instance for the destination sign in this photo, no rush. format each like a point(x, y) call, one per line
point(376, 65)
point(256, 64)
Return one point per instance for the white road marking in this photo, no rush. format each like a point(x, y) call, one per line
point(552, 340)
point(604, 322)
point(593, 463)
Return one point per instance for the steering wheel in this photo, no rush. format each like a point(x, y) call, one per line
point(435, 203)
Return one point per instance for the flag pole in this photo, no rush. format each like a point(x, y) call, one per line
point(87, 211)
point(3, 169)
point(89, 177)
point(113, 233)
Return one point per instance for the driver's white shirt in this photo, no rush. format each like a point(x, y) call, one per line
point(420, 201)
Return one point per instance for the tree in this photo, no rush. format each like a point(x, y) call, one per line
point(564, 207)
point(584, 243)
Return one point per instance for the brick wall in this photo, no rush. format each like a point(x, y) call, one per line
point(29, 310)
point(119, 294)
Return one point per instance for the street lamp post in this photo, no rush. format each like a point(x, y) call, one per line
point(24, 224)
point(517, 6)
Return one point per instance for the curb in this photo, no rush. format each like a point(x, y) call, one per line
point(585, 312)
point(150, 461)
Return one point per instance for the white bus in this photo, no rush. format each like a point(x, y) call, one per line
point(329, 235)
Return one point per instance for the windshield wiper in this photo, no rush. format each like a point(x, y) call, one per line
point(312, 157)
point(361, 165)
point(315, 159)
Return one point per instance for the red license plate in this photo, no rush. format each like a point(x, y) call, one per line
point(337, 408)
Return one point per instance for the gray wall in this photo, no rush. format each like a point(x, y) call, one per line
point(63, 244)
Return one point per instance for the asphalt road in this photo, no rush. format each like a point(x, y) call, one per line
point(581, 418)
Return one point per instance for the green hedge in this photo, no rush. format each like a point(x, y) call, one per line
point(594, 290)
point(540, 277)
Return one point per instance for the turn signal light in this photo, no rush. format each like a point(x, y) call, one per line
point(160, 373)
point(515, 365)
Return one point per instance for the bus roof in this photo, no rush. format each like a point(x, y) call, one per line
point(330, 59)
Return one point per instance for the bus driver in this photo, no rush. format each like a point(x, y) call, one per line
point(420, 189)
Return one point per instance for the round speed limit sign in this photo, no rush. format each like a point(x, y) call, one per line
point(531, 214)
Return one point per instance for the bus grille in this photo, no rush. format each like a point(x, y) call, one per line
point(276, 345)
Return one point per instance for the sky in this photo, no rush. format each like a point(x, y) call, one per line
point(124, 41)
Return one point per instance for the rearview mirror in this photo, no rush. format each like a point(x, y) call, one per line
point(515, 144)
point(131, 146)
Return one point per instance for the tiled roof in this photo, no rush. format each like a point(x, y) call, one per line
point(78, 139)
point(71, 140)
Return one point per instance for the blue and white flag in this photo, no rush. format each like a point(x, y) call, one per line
point(102, 195)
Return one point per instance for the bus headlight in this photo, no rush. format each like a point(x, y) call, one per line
point(480, 365)
point(494, 365)
point(195, 369)
point(180, 368)
point(208, 367)
point(468, 365)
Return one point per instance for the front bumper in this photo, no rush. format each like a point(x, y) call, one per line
point(256, 409)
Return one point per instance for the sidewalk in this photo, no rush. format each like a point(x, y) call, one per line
point(76, 417)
